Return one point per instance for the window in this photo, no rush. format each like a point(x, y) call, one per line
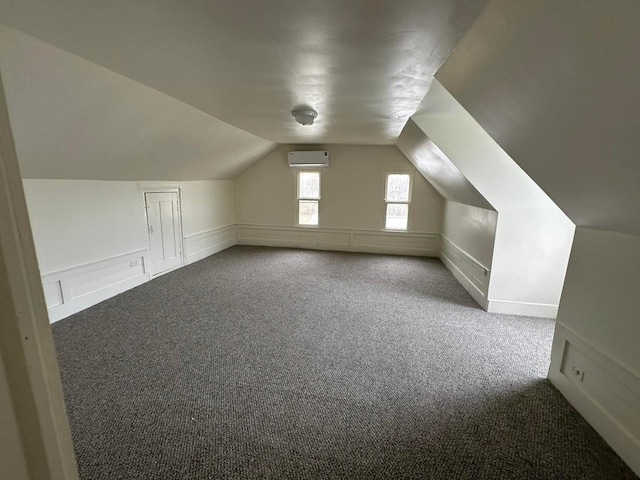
point(397, 199)
point(308, 198)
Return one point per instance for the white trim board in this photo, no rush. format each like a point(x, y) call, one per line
point(526, 309)
point(605, 392)
point(202, 244)
point(318, 238)
point(73, 289)
point(474, 277)
point(471, 274)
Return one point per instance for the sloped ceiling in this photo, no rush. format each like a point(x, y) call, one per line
point(364, 65)
point(73, 119)
point(533, 236)
point(556, 84)
point(436, 167)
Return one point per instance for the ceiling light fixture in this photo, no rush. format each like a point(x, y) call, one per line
point(304, 116)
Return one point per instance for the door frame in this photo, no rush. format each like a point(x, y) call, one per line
point(160, 187)
point(38, 437)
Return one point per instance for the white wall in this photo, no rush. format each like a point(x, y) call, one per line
point(351, 208)
point(206, 205)
point(472, 229)
point(468, 238)
point(91, 236)
point(81, 221)
point(533, 236)
point(598, 329)
point(352, 190)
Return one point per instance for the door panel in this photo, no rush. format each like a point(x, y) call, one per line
point(163, 217)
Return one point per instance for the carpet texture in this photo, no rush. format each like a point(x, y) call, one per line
point(277, 363)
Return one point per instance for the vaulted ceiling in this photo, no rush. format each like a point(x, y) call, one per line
point(363, 65)
point(202, 89)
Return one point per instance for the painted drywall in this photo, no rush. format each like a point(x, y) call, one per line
point(599, 301)
point(597, 333)
point(91, 123)
point(352, 190)
point(80, 221)
point(471, 229)
point(207, 205)
point(434, 165)
point(533, 236)
point(556, 85)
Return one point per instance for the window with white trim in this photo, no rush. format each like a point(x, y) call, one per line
point(308, 198)
point(397, 199)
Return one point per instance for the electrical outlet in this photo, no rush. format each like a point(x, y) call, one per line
point(134, 263)
point(577, 372)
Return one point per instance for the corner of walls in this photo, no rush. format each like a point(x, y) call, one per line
point(532, 236)
point(208, 218)
point(471, 274)
point(468, 238)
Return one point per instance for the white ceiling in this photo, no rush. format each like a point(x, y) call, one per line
point(364, 65)
point(437, 168)
point(74, 119)
point(557, 87)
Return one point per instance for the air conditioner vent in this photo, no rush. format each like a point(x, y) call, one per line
point(309, 159)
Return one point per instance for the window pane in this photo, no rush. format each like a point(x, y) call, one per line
point(397, 216)
point(308, 212)
point(309, 185)
point(398, 187)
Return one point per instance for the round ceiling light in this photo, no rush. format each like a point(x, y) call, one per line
point(304, 116)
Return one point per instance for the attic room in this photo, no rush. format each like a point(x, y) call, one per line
point(319, 239)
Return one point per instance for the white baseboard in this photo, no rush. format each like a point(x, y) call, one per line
point(73, 289)
point(203, 244)
point(471, 274)
point(541, 310)
point(605, 392)
point(368, 241)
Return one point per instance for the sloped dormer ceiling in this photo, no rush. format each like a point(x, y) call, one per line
point(434, 165)
point(557, 85)
point(73, 119)
point(365, 66)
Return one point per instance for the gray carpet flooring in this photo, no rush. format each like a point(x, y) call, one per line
point(277, 363)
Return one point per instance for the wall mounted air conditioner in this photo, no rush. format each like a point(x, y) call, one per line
point(309, 159)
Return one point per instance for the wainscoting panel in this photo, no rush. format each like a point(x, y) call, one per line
point(200, 245)
point(73, 289)
point(422, 244)
point(606, 393)
point(473, 276)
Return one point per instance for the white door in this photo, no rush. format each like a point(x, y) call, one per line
point(163, 218)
